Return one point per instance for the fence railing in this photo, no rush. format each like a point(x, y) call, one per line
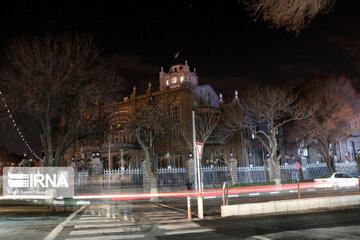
point(215, 175)
point(171, 177)
point(251, 174)
point(115, 178)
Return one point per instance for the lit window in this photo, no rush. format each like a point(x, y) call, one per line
point(182, 78)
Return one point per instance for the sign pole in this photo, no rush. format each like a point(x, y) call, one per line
point(197, 156)
point(194, 150)
point(297, 167)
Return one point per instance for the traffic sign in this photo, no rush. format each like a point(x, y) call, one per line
point(297, 166)
point(199, 147)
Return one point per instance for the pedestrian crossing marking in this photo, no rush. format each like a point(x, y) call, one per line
point(94, 218)
point(178, 226)
point(189, 231)
point(112, 237)
point(104, 231)
point(103, 225)
point(98, 221)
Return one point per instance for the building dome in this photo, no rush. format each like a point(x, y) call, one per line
point(178, 75)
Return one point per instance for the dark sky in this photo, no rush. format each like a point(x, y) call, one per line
point(229, 50)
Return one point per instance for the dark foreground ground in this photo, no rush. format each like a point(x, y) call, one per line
point(145, 220)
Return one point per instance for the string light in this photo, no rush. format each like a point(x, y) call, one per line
point(18, 130)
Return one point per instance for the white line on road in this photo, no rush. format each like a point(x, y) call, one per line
point(254, 194)
point(60, 227)
point(171, 221)
point(166, 217)
point(94, 218)
point(274, 192)
point(103, 225)
point(209, 197)
point(311, 190)
point(293, 191)
point(233, 195)
point(188, 231)
point(179, 226)
point(109, 237)
point(98, 221)
point(261, 237)
point(103, 231)
point(163, 214)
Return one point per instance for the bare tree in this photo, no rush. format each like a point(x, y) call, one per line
point(334, 98)
point(263, 111)
point(57, 84)
point(206, 120)
point(150, 125)
point(294, 15)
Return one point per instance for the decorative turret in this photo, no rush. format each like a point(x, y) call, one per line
point(236, 99)
point(179, 75)
point(221, 101)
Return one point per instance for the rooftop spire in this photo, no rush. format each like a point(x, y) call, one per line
point(236, 99)
point(221, 98)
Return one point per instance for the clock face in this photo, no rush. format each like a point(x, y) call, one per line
point(173, 79)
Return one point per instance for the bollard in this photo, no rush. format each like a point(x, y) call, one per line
point(298, 183)
point(189, 207)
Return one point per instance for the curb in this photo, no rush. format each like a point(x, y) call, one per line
point(294, 205)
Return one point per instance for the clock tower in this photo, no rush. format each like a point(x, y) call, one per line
point(179, 75)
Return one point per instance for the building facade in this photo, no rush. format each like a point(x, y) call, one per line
point(178, 95)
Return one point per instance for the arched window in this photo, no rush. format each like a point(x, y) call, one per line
point(175, 111)
point(175, 115)
point(178, 160)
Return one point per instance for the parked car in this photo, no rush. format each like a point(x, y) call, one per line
point(336, 180)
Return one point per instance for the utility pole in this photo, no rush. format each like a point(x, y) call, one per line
point(197, 172)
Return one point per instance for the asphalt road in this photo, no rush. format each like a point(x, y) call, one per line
point(104, 220)
point(29, 222)
point(212, 206)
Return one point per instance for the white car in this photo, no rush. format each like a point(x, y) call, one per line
point(336, 180)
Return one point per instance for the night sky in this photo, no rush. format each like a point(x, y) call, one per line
point(228, 49)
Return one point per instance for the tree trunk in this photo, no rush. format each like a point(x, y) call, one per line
point(267, 174)
point(276, 167)
point(149, 168)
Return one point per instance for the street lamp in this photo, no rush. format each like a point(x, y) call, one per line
point(190, 155)
point(231, 154)
point(73, 158)
point(97, 154)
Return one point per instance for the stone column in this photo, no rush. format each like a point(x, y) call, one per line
point(146, 177)
point(190, 174)
point(96, 167)
point(233, 169)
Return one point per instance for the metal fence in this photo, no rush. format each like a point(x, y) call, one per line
point(289, 173)
point(350, 168)
point(215, 175)
point(171, 177)
point(122, 177)
point(251, 174)
point(315, 170)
